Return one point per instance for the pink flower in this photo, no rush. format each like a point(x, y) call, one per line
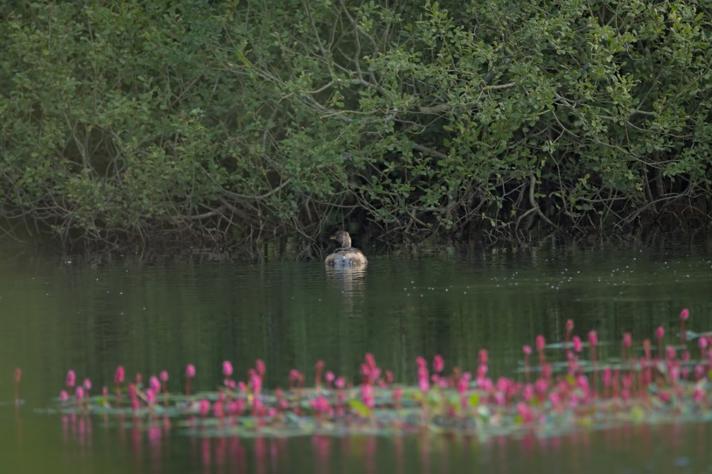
point(397, 394)
point(63, 396)
point(670, 352)
point(87, 384)
point(71, 379)
point(702, 343)
point(525, 413)
point(528, 392)
point(527, 349)
point(367, 395)
point(236, 407)
point(227, 368)
point(119, 375)
point(189, 371)
point(438, 363)
point(79, 392)
point(578, 345)
point(261, 367)
point(483, 356)
point(330, 376)
point(154, 384)
point(163, 376)
point(699, 394)
point(321, 405)
point(569, 326)
point(463, 383)
point(684, 314)
point(204, 407)
point(699, 371)
point(423, 382)
point(151, 395)
point(370, 360)
point(660, 333)
point(607, 377)
point(593, 338)
point(627, 340)
point(218, 409)
point(255, 382)
point(296, 377)
point(340, 383)
point(540, 343)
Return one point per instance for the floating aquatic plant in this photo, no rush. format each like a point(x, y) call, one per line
point(558, 394)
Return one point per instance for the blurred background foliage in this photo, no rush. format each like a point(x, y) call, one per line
point(261, 126)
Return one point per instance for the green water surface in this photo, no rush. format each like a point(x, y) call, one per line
point(59, 313)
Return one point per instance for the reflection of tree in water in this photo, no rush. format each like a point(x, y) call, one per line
point(155, 445)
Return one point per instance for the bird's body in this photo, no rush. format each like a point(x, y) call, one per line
point(345, 256)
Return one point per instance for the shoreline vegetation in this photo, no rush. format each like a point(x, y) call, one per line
point(162, 125)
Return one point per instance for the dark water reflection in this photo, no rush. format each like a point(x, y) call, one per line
point(87, 445)
point(56, 315)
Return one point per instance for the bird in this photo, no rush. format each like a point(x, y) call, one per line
point(345, 256)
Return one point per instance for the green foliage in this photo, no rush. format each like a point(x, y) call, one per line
point(134, 122)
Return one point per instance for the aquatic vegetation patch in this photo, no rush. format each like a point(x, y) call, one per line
point(558, 388)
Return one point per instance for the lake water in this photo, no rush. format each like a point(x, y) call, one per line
point(58, 314)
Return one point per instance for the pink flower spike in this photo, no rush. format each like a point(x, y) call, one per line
point(540, 343)
point(63, 396)
point(163, 376)
point(397, 394)
point(660, 333)
point(527, 349)
point(627, 340)
point(204, 407)
point(699, 394)
point(340, 382)
point(87, 384)
point(438, 363)
point(119, 375)
point(578, 345)
point(484, 356)
point(71, 379)
point(154, 384)
point(684, 314)
point(670, 352)
point(329, 376)
point(370, 360)
point(151, 396)
point(593, 338)
point(189, 371)
point(227, 368)
point(702, 343)
point(569, 326)
point(79, 392)
point(261, 367)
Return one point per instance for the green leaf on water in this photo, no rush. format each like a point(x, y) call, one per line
point(359, 407)
point(637, 414)
point(474, 400)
